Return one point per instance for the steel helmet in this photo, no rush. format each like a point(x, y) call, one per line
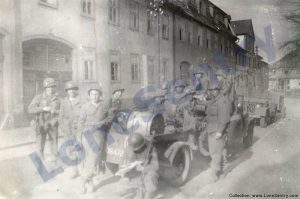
point(121, 90)
point(136, 141)
point(71, 85)
point(180, 83)
point(49, 82)
point(213, 87)
point(198, 70)
point(95, 87)
point(221, 72)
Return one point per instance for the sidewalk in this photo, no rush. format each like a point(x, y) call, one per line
point(16, 143)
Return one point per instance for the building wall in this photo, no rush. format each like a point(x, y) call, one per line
point(11, 95)
point(126, 42)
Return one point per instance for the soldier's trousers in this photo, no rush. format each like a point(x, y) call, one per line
point(149, 183)
point(93, 142)
point(41, 136)
point(216, 149)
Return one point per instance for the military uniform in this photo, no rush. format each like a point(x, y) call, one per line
point(68, 124)
point(91, 121)
point(45, 123)
point(148, 178)
point(217, 122)
point(69, 116)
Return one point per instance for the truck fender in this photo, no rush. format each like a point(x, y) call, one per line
point(173, 149)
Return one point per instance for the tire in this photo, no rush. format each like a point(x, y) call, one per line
point(263, 122)
point(248, 140)
point(182, 164)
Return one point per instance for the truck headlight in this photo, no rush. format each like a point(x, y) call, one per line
point(257, 106)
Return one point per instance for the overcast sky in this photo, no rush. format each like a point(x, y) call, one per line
point(262, 13)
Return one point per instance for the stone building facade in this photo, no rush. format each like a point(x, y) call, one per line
point(117, 43)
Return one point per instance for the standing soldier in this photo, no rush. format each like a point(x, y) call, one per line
point(115, 104)
point(91, 124)
point(201, 82)
point(116, 100)
point(217, 122)
point(68, 122)
point(140, 167)
point(226, 88)
point(46, 107)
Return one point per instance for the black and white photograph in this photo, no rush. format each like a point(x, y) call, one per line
point(149, 99)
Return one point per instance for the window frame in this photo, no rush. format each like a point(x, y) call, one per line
point(91, 71)
point(200, 34)
point(132, 13)
point(117, 12)
point(86, 14)
point(117, 54)
point(137, 56)
point(166, 35)
point(150, 78)
point(89, 54)
point(151, 19)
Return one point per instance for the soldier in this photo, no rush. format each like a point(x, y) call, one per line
point(175, 103)
point(45, 107)
point(68, 120)
point(217, 122)
point(116, 100)
point(201, 82)
point(140, 166)
point(92, 121)
point(226, 88)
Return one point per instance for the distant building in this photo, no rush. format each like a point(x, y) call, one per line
point(285, 74)
point(256, 76)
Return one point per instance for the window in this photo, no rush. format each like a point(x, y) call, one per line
point(165, 26)
point(208, 40)
point(134, 15)
point(200, 37)
point(228, 47)
point(89, 66)
point(87, 7)
point(181, 33)
point(135, 67)
point(164, 72)
point(203, 5)
point(113, 11)
point(150, 69)
point(216, 41)
point(150, 23)
point(114, 66)
point(286, 72)
point(222, 45)
point(189, 32)
point(89, 70)
point(200, 7)
point(49, 3)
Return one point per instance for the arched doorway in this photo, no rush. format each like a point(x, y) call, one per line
point(45, 58)
point(185, 70)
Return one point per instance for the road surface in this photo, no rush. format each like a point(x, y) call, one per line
point(270, 166)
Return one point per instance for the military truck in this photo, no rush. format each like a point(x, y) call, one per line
point(265, 110)
point(173, 147)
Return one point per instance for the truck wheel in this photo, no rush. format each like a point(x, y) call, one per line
point(263, 122)
point(248, 140)
point(181, 163)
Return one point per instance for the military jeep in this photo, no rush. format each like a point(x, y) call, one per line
point(261, 110)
